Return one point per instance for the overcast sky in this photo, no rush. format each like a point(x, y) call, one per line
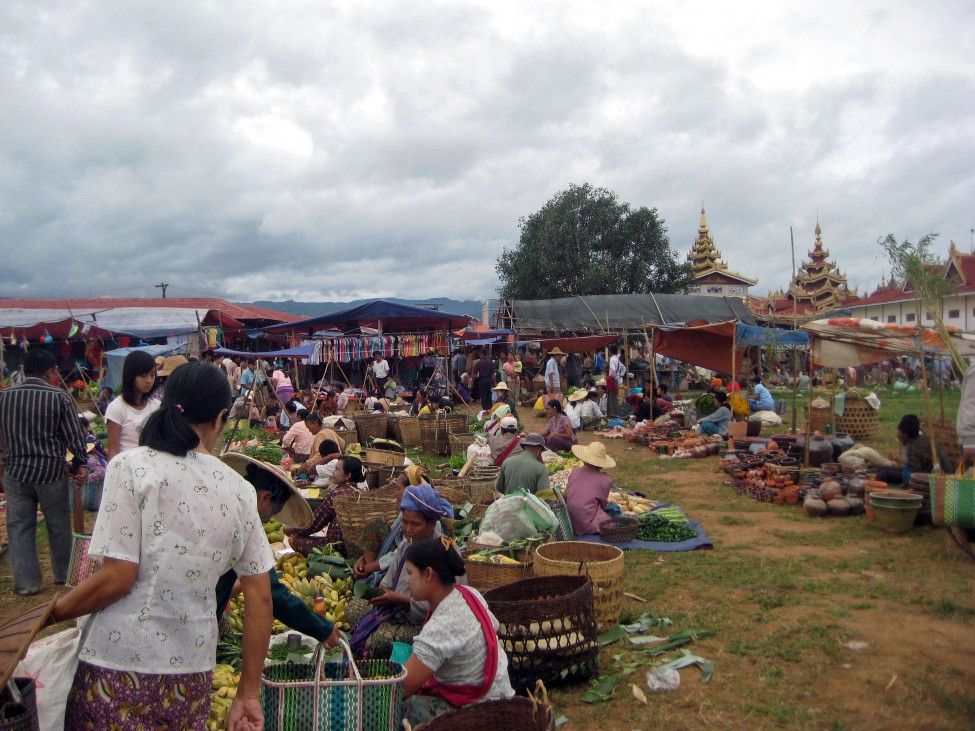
point(317, 150)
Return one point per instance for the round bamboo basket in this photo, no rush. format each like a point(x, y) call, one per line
point(433, 434)
point(354, 511)
point(370, 426)
point(860, 420)
point(603, 564)
point(484, 576)
point(818, 420)
point(460, 442)
point(946, 435)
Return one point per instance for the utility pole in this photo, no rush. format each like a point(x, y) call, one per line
point(162, 286)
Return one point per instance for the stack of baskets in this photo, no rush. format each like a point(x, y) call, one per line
point(369, 427)
point(547, 626)
point(860, 420)
point(603, 564)
point(354, 511)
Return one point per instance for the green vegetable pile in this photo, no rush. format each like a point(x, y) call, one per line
point(265, 452)
point(666, 525)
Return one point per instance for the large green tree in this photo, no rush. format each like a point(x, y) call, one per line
point(584, 241)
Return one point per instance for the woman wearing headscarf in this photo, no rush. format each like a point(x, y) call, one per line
point(380, 539)
point(396, 616)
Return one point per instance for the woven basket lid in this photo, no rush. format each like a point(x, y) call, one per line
point(17, 634)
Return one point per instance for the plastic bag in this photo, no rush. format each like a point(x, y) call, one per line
point(52, 662)
point(518, 514)
point(663, 679)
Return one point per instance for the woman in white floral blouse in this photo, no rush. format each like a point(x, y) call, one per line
point(173, 519)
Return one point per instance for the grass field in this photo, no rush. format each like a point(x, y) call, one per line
point(784, 595)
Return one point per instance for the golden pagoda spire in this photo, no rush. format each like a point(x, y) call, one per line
point(704, 221)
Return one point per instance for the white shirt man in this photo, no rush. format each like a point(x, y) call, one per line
point(553, 381)
point(380, 368)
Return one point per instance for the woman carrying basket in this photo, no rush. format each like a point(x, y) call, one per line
point(457, 658)
point(346, 477)
point(173, 519)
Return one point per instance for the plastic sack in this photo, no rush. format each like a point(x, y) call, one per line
point(481, 453)
point(663, 679)
point(518, 514)
point(52, 662)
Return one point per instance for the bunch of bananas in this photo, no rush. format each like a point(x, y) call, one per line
point(274, 530)
point(292, 565)
point(223, 692)
point(235, 617)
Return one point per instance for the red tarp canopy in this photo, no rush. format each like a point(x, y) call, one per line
point(707, 346)
point(575, 345)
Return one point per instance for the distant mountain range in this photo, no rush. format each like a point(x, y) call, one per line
point(314, 309)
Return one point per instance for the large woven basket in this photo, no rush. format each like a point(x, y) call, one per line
point(433, 434)
point(460, 442)
point(860, 420)
point(385, 453)
point(511, 714)
point(457, 423)
point(370, 426)
point(547, 626)
point(452, 492)
point(818, 419)
point(946, 435)
point(484, 576)
point(354, 511)
point(603, 564)
point(407, 431)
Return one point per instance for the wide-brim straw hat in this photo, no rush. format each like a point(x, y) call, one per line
point(171, 363)
point(501, 387)
point(295, 512)
point(555, 351)
point(594, 454)
point(578, 395)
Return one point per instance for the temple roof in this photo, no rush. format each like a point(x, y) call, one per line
point(705, 258)
point(819, 284)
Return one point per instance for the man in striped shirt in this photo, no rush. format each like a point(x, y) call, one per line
point(38, 427)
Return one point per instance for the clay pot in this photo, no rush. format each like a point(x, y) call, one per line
point(856, 487)
point(841, 442)
point(829, 490)
point(820, 451)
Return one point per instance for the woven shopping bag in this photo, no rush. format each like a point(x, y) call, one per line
point(344, 695)
point(953, 499)
point(80, 567)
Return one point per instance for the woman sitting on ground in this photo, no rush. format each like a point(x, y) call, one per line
point(396, 616)
point(558, 433)
point(915, 454)
point(717, 422)
point(348, 473)
point(457, 658)
point(587, 489)
point(379, 539)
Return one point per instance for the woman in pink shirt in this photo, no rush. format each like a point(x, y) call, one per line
point(587, 489)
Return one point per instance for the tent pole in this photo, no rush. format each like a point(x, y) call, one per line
point(653, 357)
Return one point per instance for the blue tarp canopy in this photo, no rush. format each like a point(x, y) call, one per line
point(750, 335)
point(112, 378)
point(393, 316)
point(302, 351)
